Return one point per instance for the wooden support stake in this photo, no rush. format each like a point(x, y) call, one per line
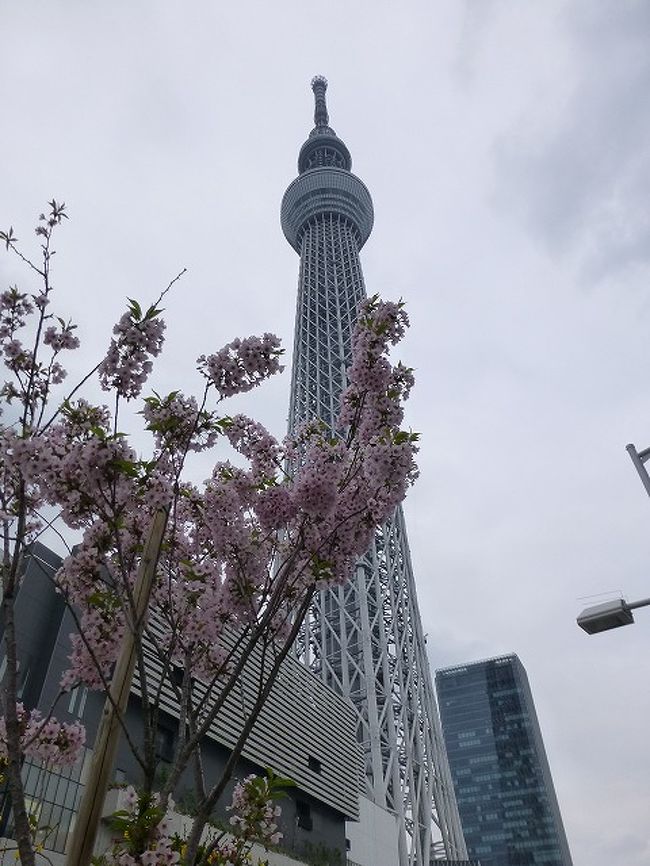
point(82, 843)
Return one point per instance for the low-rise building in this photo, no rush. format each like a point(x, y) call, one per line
point(305, 732)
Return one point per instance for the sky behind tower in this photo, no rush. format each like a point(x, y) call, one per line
point(507, 149)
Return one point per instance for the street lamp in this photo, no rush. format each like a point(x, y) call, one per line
point(639, 458)
point(611, 614)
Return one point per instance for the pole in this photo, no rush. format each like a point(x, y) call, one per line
point(82, 842)
point(633, 605)
point(639, 458)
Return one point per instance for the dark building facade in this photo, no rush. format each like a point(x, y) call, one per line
point(503, 783)
point(455, 863)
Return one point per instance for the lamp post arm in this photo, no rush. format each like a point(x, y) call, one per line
point(639, 458)
point(632, 605)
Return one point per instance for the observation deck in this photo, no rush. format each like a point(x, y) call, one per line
point(325, 185)
point(326, 190)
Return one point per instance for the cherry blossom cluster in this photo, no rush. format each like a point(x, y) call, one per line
point(178, 424)
point(94, 648)
point(15, 306)
point(254, 442)
point(32, 378)
point(17, 495)
point(84, 476)
point(57, 466)
point(231, 852)
point(192, 613)
point(32, 381)
point(275, 507)
point(242, 364)
point(146, 836)
point(254, 810)
point(62, 337)
point(216, 566)
point(373, 398)
point(128, 364)
point(45, 739)
point(144, 818)
point(319, 481)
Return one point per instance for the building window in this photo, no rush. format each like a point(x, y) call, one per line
point(314, 764)
point(77, 702)
point(176, 674)
point(23, 678)
point(303, 815)
point(52, 798)
point(165, 744)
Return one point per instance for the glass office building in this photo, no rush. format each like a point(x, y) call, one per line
point(503, 783)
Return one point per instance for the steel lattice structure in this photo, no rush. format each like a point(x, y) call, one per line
point(365, 638)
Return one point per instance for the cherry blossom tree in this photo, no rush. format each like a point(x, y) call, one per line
point(236, 560)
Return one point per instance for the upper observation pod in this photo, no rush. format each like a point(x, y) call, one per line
point(325, 184)
point(323, 147)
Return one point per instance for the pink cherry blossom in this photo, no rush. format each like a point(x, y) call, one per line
point(242, 364)
point(127, 364)
point(53, 743)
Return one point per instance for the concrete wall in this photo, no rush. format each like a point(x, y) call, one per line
point(39, 609)
point(373, 838)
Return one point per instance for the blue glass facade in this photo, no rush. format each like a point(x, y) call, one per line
point(503, 784)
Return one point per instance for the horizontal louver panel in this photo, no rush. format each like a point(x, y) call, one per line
point(302, 718)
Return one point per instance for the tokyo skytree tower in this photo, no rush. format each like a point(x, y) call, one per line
point(363, 639)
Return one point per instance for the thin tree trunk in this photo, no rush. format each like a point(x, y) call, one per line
point(14, 750)
point(210, 801)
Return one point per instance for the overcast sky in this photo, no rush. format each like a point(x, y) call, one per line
point(507, 149)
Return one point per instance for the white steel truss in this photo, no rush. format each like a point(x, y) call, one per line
point(364, 639)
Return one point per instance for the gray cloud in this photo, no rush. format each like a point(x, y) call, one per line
point(581, 182)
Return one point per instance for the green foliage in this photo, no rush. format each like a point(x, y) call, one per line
point(277, 785)
point(8, 237)
point(403, 436)
point(136, 311)
point(136, 830)
point(321, 855)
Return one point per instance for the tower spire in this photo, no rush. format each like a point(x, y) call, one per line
point(323, 147)
point(319, 86)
